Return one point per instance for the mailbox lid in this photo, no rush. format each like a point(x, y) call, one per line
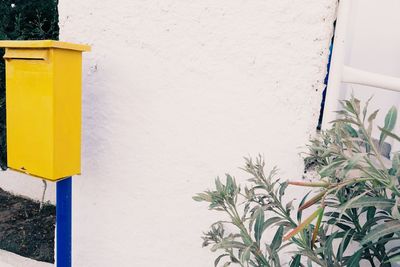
point(44, 44)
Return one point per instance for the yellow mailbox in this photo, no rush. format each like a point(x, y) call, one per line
point(43, 96)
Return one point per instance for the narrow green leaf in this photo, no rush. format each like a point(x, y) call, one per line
point(258, 226)
point(365, 109)
point(395, 259)
point(218, 259)
point(230, 189)
point(246, 239)
point(289, 206)
point(342, 226)
point(345, 121)
point(356, 104)
point(390, 122)
point(346, 205)
point(343, 245)
point(353, 133)
point(282, 189)
point(396, 161)
point(296, 261)
point(390, 134)
point(309, 262)
point(390, 119)
point(368, 201)
point(395, 209)
point(246, 255)
point(316, 228)
point(354, 260)
point(228, 244)
point(300, 212)
point(303, 224)
point(371, 118)
point(371, 213)
point(271, 221)
point(375, 220)
point(202, 197)
point(218, 184)
point(313, 200)
point(348, 105)
point(253, 217)
point(309, 184)
point(330, 169)
point(328, 248)
point(354, 160)
point(277, 240)
point(381, 230)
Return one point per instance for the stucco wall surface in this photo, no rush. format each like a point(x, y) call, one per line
point(176, 93)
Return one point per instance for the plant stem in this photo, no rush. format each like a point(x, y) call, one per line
point(377, 155)
point(236, 219)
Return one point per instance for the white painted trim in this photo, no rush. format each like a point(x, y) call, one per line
point(337, 63)
point(340, 73)
point(356, 76)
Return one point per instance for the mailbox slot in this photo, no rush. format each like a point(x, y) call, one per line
point(26, 54)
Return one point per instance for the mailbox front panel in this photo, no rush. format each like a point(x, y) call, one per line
point(30, 116)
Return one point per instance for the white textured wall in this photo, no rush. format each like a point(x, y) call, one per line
point(175, 93)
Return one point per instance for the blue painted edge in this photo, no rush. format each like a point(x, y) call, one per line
point(321, 113)
point(64, 222)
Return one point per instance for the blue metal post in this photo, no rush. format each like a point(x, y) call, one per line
point(64, 222)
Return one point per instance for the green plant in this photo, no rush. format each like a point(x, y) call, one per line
point(362, 186)
point(356, 199)
point(23, 20)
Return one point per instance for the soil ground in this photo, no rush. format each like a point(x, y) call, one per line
point(25, 229)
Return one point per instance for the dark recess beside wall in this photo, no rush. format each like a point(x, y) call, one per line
point(25, 228)
point(23, 20)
